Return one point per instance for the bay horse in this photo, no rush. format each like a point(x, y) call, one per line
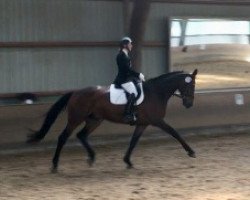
point(92, 105)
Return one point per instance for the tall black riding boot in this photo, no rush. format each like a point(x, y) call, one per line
point(129, 110)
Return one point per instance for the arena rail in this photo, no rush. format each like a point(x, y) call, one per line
point(224, 111)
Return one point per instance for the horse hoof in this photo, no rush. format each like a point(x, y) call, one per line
point(90, 162)
point(53, 170)
point(192, 154)
point(130, 167)
point(127, 161)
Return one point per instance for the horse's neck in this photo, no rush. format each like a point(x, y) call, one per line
point(171, 87)
point(166, 88)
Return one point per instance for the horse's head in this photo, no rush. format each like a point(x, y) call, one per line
point(187, 88)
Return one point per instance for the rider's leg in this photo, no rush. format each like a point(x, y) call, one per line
point(129, 109)
point(138, 88)
point(131, 96)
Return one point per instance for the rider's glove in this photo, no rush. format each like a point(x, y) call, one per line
point(141, 76)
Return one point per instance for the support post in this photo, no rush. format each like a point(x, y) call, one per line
point(138, 22)
point(168, 45)
point(126, 16)
point(183, 25)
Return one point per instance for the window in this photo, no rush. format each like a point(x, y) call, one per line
point(218, 48)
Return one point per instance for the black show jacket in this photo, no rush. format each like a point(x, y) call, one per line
point(125, 72)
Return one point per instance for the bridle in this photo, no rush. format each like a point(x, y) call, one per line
point(182, 96)
point(178, 95)
point(186, 94)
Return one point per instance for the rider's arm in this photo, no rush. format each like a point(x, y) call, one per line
point(126, 66)
point(136, 74)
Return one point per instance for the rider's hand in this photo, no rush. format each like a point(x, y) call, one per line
point(141, 76)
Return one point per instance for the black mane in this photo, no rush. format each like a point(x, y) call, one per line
point(163, 76)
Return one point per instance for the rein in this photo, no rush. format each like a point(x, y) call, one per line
point(178, 95)
point(169, 75)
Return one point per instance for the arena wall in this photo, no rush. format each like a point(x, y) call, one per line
point(216, 109)
point(95, 27)
point(48, 45)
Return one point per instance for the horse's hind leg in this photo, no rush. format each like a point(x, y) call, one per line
point(62, 139)
point(91, 125)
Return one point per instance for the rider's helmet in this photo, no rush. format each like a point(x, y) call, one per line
point(125, 41)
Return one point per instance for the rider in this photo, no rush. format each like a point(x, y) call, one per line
point(124, 77)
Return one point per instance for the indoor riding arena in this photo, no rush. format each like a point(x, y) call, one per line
point(51, 47)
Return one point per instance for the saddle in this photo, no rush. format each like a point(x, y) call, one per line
point(118, 95)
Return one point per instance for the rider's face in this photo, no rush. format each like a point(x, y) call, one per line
point(129, 46)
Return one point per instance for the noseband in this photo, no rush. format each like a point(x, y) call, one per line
point(181, 96)
point(178, 95)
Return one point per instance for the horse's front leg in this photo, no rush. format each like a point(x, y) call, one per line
point(167, 128)
point(136, 136)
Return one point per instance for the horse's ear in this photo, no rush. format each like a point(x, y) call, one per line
point(195, 72)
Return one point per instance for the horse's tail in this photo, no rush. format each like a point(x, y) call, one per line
point(50, 118)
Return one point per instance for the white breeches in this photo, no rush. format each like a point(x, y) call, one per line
point(130, 88)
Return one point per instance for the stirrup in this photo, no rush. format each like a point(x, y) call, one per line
point(130, 118)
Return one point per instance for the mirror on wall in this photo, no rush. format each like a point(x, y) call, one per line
point(218, 48)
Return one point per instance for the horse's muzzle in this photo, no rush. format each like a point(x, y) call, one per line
point(187, 103)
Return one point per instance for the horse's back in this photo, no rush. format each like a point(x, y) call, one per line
point(92, 90)
point(89, 94)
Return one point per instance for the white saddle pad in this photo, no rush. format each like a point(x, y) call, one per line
point(118, 96)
